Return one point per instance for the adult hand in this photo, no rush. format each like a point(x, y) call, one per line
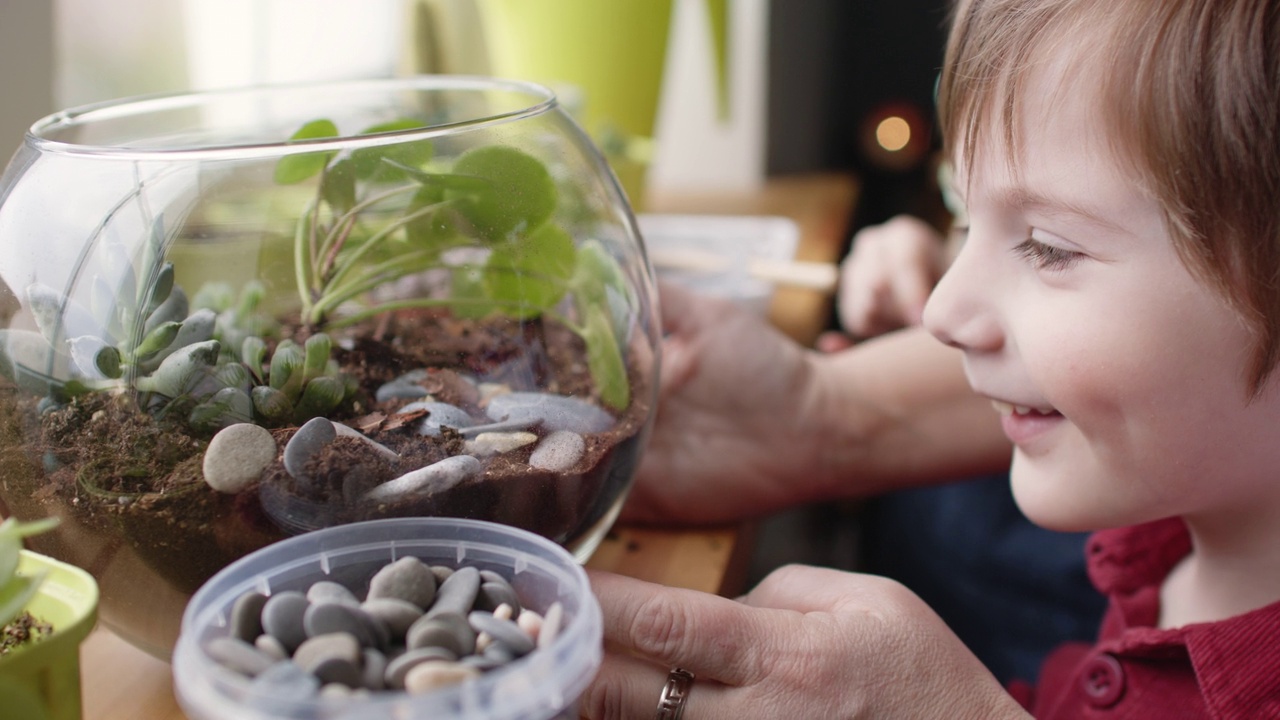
point(731, 429)
point(805, 643)
point(888, 275)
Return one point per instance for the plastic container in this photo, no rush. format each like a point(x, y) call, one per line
point(42, 681)
point(542, 685)
point(714, 254)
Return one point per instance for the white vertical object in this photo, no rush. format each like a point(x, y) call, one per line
point(696, 151)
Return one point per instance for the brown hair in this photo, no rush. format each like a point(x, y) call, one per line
point(1190, 98)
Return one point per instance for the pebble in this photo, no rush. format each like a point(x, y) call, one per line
point(438, 414)
point(488, 444)
point(236, 457)
point(434, 478)
point(305, 443)
point(558, 451)
point(555, 412)
point(407, 579)
point(416, 629)
point(405, 387)
point(383, 450)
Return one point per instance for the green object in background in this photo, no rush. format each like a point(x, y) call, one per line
point(41, 681)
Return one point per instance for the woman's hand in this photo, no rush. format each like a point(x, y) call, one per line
point(888, 275)
point(805, 643)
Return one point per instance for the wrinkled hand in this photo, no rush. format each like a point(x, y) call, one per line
point(888, 275)
point(805, 643)
point(730, 427)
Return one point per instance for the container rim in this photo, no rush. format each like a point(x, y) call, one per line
point(541, 99)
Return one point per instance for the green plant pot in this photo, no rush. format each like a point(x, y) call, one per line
point(42, 681)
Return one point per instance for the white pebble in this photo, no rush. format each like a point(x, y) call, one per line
point(237, 455)
point(429, 676)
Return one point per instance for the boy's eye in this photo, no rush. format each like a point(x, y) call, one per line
point(1046, 257)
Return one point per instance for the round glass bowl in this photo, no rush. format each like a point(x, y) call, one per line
point(231, 317)
point(542, 685)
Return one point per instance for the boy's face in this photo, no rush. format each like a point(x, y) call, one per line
point(1068, 299)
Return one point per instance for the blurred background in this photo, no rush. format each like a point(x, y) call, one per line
point(684, 95)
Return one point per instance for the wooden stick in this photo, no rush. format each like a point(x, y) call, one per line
point(793, 273)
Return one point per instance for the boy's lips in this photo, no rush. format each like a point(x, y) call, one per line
point(1023, 423)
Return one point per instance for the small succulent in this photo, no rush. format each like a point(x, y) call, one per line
point(17, 590)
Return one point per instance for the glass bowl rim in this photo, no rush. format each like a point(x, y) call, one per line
point(542, 100)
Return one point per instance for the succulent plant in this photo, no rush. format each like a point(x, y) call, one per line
point(17, 590)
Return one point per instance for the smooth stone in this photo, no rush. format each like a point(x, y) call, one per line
point(336, 618)
point(318, 649)
point(236, 457)
point(339, 671)
point(499, 653)
point(404, 387)
point(487, 444)
point(374, 670)
point(558, 451)
point(482, 663)
point(439, 414)
point(400, 666)
point(269, 645)
point(327, 591)
point(434, 478)
point(450, 631)
point(530, 622)
point(505, 632)
point(551, 622)
point(496, 593)
point(489, 391)
point(398, 615)
point(555, 412)
point(383, 450)
point(237, 655)
point(282, 618)
point(502, 426)
point(305, 443)
point(442, 573)
point(246, 616)
point(285, 682)
point(335, 691)
point(406, 579)
point(458, 593)
point(426, 677)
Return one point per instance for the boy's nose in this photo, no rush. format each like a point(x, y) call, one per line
point(960, 311)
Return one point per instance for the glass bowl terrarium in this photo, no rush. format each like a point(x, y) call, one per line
point(235, 316)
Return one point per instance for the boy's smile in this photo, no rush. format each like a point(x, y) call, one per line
point(1118, 375)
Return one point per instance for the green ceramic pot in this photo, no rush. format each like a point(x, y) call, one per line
point(42, 681)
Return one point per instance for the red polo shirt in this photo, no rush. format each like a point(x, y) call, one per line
point(1222, 670)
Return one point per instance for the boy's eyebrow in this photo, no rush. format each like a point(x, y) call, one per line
point(1025, 199)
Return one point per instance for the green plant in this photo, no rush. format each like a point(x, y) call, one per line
point(17, 590)
point(386, 212)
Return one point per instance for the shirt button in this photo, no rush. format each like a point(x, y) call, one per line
point(1102, 680)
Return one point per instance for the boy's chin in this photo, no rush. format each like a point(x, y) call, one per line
point(1044, 503)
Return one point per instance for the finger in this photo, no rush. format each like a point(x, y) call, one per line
point(911, 292)
point(806, 589)
point(711, 636)
point(630, 687)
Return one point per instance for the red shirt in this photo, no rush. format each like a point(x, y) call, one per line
point(1223, 670)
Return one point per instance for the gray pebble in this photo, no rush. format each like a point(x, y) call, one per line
point(330, 618)
point(488, 444)
point(457, 594)
point(400, 666)
point(246, 616)
point(373, 670)
point(398, 615)
point(405, 387)
point(446, 630)
point(558, 451)
point(282, 617)
point(483, 663)
point(439, 414)
point(236, 457)
point(405, 579)
point(321, 648)
point(284, 682)
point(502, 631)
point(442, 573)
point(305, 443)
point(435, 478)
point(555, 412)
point(383, 450)
point(271, 647)
point(340, 671)
point(238, 655)
point(327, 591)
point(497, 592)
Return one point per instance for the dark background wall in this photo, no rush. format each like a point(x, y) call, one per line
point(836, 64)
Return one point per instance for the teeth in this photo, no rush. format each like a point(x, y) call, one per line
point(1021, 409)
point(1006, 409)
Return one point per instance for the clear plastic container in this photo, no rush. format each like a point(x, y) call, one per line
point(542, 685)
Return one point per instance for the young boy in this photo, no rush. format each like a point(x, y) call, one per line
point(1118, 301)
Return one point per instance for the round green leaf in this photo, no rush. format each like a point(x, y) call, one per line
point(292, 169)
point(530, 275)
point(520, 194)
point(369, 162)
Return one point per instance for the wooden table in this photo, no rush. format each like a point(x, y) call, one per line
point(120, 682)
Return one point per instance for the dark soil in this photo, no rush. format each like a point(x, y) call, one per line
point(23, 629)
point(120, 475)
